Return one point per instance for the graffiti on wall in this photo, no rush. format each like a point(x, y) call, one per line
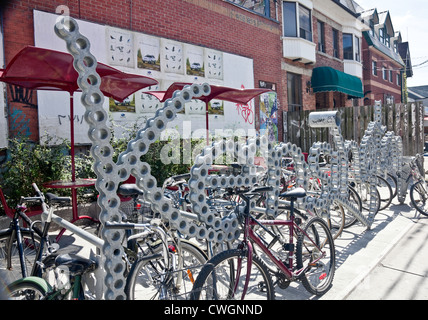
point(21, 99)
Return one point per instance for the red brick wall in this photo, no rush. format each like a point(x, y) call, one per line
point(376, 86)
point(210, 23)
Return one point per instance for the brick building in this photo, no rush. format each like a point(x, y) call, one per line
point(384, 67)
point(312, 53)
point(248, 34)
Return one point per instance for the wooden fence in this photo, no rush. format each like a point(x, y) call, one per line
point(406, 120)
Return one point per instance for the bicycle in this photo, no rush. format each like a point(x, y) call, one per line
point(166, 268)
point(239, 274)
point(419, 189)
point(19, 244)
point(64, 270)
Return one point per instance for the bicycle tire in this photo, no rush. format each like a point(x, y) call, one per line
point(337, 220)
point(221, 271)
point(393, 182)
point(318, 276)
point(385, 193)
point(355, 198)
point(30, 288)
point(10, 251)
point(138, 285)
point(418, 197)
point(365, 197)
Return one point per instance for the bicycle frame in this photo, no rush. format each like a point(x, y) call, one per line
point(16, 234)
point(251, 237)
point(293, 228)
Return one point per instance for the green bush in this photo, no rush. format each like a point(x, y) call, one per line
point(29, 162)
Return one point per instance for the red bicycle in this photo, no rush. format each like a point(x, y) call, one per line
point(242, 273)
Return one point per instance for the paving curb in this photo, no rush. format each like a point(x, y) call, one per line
point(344, 293)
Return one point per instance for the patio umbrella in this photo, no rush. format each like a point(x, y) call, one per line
point(240, 96)
point(44, 69)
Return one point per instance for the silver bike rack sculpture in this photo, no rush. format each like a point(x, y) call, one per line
point(202, 223)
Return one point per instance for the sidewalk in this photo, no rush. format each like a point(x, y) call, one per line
point(402, 274)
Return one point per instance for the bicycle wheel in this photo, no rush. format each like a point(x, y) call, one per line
point(27, 289)
point(355, 200)
point(393, 183)
point(315, 253)
point(151, 279)
point(418, 196)
point(10, 251)
point(224, 277)
point(337, 219)
point(385, 192)
point(368, 198)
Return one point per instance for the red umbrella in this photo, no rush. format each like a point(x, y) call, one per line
point(44, 69)
point(241, 96)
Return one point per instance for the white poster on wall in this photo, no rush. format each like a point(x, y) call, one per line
point(165, 60)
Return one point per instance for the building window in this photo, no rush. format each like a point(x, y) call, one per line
point(384, 73)
point(348, 48)
point(398, 79)
point(374, 68)
point(321, 37)
point(357, 49)
point(297, 20)
point(384, 37)
point(390, 76)
point(294, 90)
point(305, 23)
point(335, 43)
point(290, 19)
point(372, 32)
point(261, 6)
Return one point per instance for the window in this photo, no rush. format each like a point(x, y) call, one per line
point(372, 32)
point(398, 79)
point(305, 23)
point(384, 73)
point(297, 20)
point(348, 48)
point(390, 76)
point(382, 35)
point(357, 49)
point(294, 90)
point(290, 19)
point(374, 68)
point(261, 6)
point(321, 37)
point(335, 43)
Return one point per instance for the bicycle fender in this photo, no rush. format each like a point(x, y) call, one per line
point(39, 281)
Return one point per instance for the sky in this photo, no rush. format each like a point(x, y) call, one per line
point(410, 17)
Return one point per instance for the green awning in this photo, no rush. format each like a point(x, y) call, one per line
point(329, 79)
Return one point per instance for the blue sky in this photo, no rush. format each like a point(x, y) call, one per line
point(410, 17)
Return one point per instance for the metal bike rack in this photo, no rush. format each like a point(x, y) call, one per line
point(208, 225)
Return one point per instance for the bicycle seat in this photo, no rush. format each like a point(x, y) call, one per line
point(76, 264)
point(294, 194)
point(129, 189)
point(53, 198)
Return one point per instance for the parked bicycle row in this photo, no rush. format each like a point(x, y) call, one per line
point(161, 263)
